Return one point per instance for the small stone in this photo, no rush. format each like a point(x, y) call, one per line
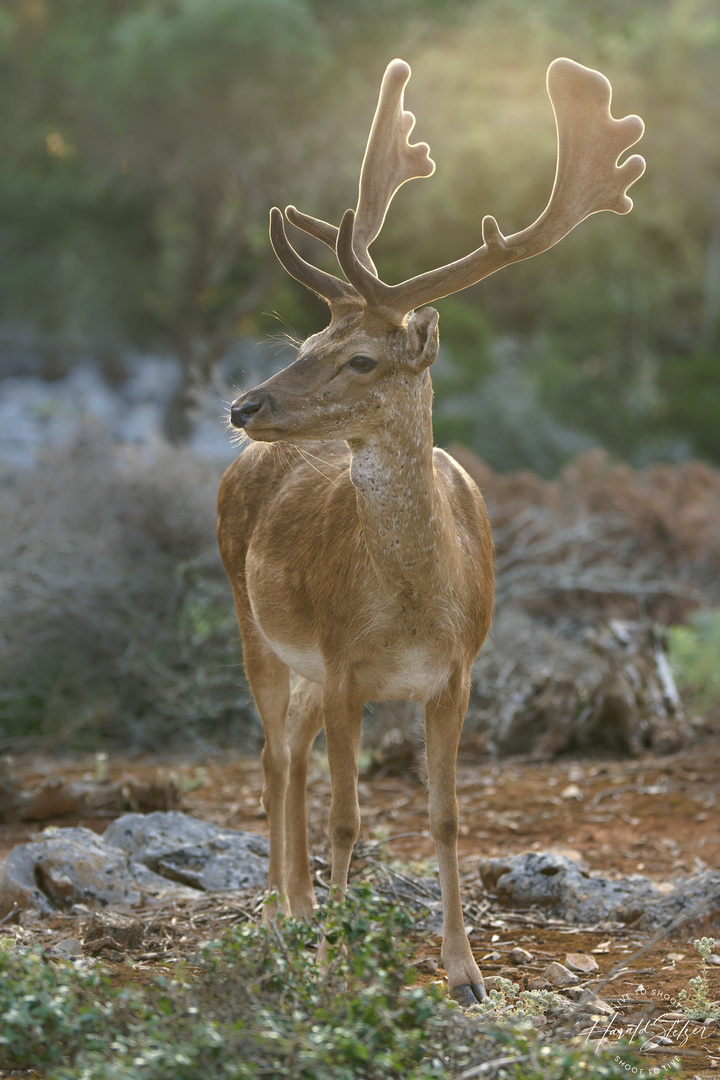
point(537, 982)
point(558, 975)
point(66, 947)
point(494, 982)
point(713, 958)
point(520, 956)
point(582, 962)
point(597, 1005)
point(111, 928)
point(428, 965)
point(572, 791)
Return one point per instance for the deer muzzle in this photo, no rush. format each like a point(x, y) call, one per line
point(245, 408)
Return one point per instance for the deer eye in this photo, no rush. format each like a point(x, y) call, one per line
point(362, 363)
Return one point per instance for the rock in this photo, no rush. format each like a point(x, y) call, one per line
point(595, 1004)
point(566, 889)
point(427, 965)
point(66, 947)
point(140, 857)
point(519, 956)
point(123, 931)
point(581, 962)
point(195, 853)
point(558, 975)
point(495, 982)
point(74, 866)
point(18, 888)
point(111, 929)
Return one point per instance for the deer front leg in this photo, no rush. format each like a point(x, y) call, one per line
point(305, 719)
point(343, 723)
point(443, 724)
point(269, 680)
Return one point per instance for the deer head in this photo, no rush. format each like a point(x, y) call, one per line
point(381, 337)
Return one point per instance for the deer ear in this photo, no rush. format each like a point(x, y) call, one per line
point(423, 337)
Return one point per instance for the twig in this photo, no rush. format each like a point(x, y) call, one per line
point(11, 912)
point(488, 1067)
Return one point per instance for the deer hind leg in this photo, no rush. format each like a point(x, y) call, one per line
point(305, 719)
point(269, 680)
point(443, 724)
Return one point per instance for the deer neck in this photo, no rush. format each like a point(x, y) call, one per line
point(397, 499)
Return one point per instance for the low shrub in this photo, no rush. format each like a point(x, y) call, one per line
point(116, 618)
point(255, 1004)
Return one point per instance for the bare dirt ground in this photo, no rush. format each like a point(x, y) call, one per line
point(659, 817)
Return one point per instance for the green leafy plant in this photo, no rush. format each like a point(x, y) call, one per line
point(507, 999)
point(698, 1005)
point(255, 1003)
point(695, 657)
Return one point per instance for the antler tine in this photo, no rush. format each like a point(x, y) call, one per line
point(588, 179)
point(390, 160)
point(313, 226)
point(327, 286)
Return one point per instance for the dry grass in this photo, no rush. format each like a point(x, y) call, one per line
point(114, 610)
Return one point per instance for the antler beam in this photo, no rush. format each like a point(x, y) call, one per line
point(588, 179)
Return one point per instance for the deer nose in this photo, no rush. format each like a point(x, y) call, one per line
point(240, 414)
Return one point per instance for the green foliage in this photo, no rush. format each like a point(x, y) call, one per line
point(695, 658)
point(145, 141)
point(505, 998)
point(256, 1004)
point(699, 1006)
point(47, 1011)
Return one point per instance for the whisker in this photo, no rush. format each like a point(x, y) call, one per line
point(330, 464)
point(306, 458)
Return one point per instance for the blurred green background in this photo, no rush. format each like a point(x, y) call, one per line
point(143, 142)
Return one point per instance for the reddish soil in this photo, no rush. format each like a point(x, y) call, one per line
point(655, 816)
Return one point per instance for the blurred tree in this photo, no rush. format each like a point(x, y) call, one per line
point(170, 128)
point(143, 142)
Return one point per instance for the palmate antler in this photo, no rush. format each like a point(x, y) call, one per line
point(587, 179)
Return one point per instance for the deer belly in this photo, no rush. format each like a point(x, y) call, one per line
point(306, 662)
point(411, 672)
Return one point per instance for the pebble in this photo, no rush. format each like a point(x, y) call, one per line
point(537, 982)
point(581, 962)
point(520, 956)
point(428, 965)
point(558, 975)
point(66, 947)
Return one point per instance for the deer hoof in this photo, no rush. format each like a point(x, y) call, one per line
point(467, 994)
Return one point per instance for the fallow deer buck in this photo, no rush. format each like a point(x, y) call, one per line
point(361, 558)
